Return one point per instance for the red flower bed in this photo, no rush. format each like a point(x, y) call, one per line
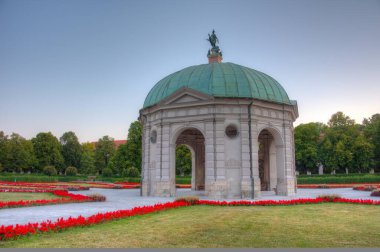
point(31, 190)
point(44, 185)
point(183, 186)
point(13, 231)
point(315, 186)
point(116, 185)
point(366, 187)
point(128, 185)
point(66, 198)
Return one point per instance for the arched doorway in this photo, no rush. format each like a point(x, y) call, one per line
point(271, 159)
point(195, 141)
point(184, 163)
point(265, 140)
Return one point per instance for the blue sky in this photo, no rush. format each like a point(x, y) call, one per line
point(87, 65)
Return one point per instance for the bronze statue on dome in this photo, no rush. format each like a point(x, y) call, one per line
point(213, 39)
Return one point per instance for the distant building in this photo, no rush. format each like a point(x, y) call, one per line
point(116, 142)
point(119, 142)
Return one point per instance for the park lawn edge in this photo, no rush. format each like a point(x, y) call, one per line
point(11, 231)
point(38, 236)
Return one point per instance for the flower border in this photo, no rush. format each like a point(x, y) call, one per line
point(14, 231)
point(66, 197)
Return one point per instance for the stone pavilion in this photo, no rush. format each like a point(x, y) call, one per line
point(237, 122)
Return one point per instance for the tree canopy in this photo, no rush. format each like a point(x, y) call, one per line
point(341, 144)
point(104, 151)
point(71, 149)
point(48, 151)
point(87, 161)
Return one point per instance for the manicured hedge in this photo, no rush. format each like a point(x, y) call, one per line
point(62, 178)
point(302, 179)
point(339, 179)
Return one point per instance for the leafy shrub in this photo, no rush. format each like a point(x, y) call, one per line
point(107, 172)
point(376, 193)
point(71, 171)
point(50, 170)
point(1, 167)
point(97, 197)
point(329, 197)
point(133, 172)
point(189, 199)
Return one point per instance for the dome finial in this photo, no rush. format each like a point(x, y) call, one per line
point(214, 54)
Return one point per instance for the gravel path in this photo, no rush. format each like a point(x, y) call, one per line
point(129, 198)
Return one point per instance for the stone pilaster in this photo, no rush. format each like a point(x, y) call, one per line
point(217, 189)
point(163, 189)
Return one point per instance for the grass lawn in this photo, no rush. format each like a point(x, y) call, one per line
point(16, 196)
point(322, 225)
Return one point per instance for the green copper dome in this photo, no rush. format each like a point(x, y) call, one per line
point(220, 80)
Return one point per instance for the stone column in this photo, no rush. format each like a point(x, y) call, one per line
point(255, 159)
point(199, 164)
point(145, 180)
point(286, 181)
point(246, 185)
point(218, 187)
point(163, 177)
point(273, 165)
point(209, 153)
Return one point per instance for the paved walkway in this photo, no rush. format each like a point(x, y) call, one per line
point(129, 198)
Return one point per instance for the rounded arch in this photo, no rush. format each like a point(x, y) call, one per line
point(271, 158)
point(277, 135)
point(193, 153)
point(177, 132)
point(194, 138)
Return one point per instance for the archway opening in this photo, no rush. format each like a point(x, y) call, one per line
point(183, 164)
point(266, 161)
point(194, 140)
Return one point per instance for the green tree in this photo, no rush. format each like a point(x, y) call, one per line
point(340, 120)
point(326, 155)
point(371, 130)
point(71, 149)
point(307, 138)
point(338, 143)
point(48, 151)
point(343, 156)
point(376, 141)
point(119, 162)
point(104, 151)
point(134, 145)
point(87, 162)
point(21, 155)
point(3, 149)
point(362, 155)
point(183, 160)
